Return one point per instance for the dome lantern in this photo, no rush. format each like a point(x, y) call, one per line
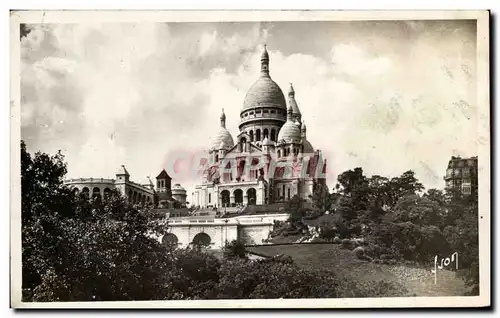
point(291, 91)
point(264, 62)
point(297, 116)
point(265, 93)
point(223, 119)
point(223, 135)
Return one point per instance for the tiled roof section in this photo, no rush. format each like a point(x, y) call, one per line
point(264, 93)
point(163, 175)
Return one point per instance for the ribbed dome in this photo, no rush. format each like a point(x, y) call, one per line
point(178, 187)
point(264, 92)
point(290, 132)
point(222, 136)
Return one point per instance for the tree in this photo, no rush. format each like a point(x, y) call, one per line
point(435, 195)
point(406, 184)
point(234, 249)
point(321, 197)
point(418, 210)
point(295, 206)
point(271, 278)
point(75, 249)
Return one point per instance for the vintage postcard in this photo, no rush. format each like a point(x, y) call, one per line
point(250, 159)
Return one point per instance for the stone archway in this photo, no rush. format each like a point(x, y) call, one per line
point(202, 240)
point(85, 193)
point(238, 196)
point(252, 196)
point(107, 193)
point(224, 197)
point(96, 193)
point(170, 240)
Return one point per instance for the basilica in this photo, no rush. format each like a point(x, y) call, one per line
point(269, 161)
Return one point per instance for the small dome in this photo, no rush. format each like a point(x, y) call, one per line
point(177, 186)
point(223, 136)
point(264, 93)
point(290, 132)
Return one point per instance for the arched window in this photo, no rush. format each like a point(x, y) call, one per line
point(107, 193)
point(96, 193)
point(288, 193)
point(257, 137)
point(273, 135)
point(251, 135)
point(216, 158)
point(85, 192)
point(266, 133)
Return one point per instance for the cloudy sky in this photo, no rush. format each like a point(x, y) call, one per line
point(385, 96)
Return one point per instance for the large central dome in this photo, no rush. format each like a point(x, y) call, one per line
point(264, 92)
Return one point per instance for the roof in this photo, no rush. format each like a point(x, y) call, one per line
point(222, 136)
point(122, 171)
point(264, 92)
point(163, 175)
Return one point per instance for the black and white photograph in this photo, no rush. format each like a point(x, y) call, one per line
point(250, 159)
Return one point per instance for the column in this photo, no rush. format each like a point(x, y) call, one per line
point(260, 195)
point(245, 198)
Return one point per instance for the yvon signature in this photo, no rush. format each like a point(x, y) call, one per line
point(444, 263)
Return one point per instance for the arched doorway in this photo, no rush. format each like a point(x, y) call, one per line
point(252, 196)
point(238, 196)
point(202, 240)
point(107, 193)
point(85, 193)
point(96, 193)
point(170, 240)
point(241, 169)
point(224, 197)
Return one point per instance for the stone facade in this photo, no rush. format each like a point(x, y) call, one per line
point(136, 193)
point(461, 173)
point(217, 232)
point(271, 160)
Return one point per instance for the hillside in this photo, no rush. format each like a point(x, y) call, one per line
point(418, 281)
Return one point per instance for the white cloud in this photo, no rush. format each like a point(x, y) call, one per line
point(131, 94)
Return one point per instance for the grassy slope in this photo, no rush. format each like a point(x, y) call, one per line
point(419, 281)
